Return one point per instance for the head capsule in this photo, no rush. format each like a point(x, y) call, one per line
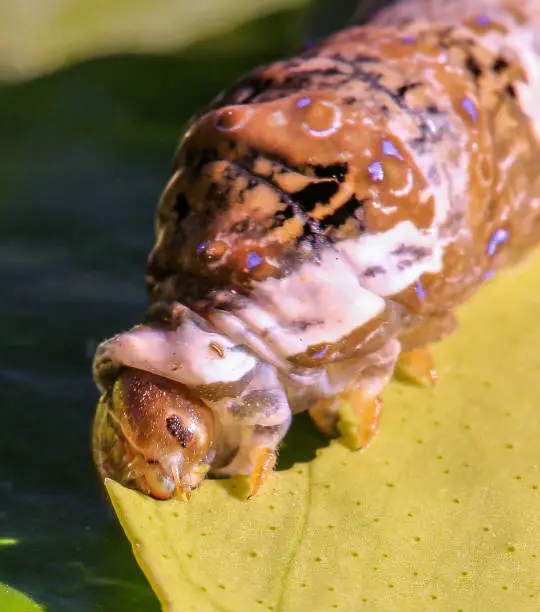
point(154, 433)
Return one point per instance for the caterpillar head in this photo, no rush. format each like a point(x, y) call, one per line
point(153, 433)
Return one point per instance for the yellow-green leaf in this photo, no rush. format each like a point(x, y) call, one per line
point(441, 513)
point(41, 35)
point(12, 600)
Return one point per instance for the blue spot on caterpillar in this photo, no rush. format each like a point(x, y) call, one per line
point(376, 171)
point(500, 236)
point(253, 260)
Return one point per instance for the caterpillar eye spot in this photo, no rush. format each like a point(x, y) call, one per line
point(212, 250)
point(320, 117)
point(232, 118)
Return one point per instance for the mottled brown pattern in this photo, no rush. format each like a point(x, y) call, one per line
point(323, 147)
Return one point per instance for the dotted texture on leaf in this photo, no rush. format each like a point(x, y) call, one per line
point(440, 513)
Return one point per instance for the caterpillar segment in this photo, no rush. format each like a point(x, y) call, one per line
point(325, 217)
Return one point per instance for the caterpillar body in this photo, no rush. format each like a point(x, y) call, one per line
point(325, 217)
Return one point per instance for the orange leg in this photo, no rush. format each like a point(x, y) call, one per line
point(418, 365)
point(264, 460)
point(359, 425)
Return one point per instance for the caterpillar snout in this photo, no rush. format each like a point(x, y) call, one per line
point(167, 433)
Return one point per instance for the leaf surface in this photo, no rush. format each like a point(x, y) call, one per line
point(440, 513)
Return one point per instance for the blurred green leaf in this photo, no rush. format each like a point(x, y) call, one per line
point(13, 601)
point(41, 35)
point(441, 513)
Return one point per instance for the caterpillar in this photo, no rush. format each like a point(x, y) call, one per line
point(326, 215)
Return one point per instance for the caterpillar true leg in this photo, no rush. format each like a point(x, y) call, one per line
point(264, 460)
point(256, 454)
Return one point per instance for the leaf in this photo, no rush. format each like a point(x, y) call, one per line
point(441, 512)
point(14, 601)
point(39, 36)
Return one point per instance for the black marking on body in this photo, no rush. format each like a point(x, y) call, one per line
point(297, 80)
point(245, 168)
point(374, 80)
point(247, 90)
point(314, 236)
point(315, 193)
point(335, 171)
point(352, 208)
point(473, 67)
point(178, 431)
point(271, 430)
point(261, 402)
point(511, 91)
point(282, 216)
point(195, 159)
point(296, 204)
point(302, 325)
point(181, 207)
point(241, 227)
point(500, 65)
point(402, 91)
point(374, 271)
point(412, 250)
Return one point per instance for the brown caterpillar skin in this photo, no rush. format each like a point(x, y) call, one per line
point(326, 215)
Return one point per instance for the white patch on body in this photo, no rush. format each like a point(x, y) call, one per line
point(317, 303)
point(184, 354)
point(448, 182)
point(230, 325)
point(388, 254)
